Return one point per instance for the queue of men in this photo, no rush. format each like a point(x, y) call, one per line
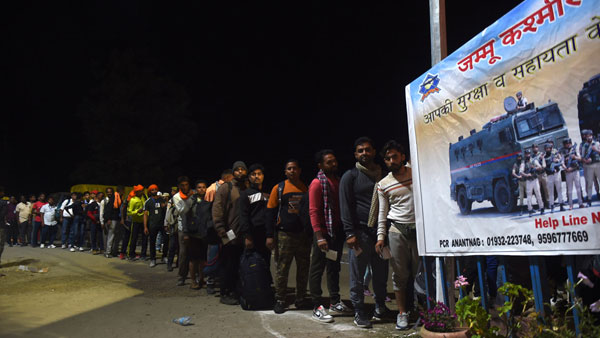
point(210, 227)
point(541, 172)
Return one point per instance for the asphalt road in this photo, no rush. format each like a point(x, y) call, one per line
point(85, 295)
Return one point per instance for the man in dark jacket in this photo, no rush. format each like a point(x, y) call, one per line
point(356, 194)
point(252, 207)
point(226, 220)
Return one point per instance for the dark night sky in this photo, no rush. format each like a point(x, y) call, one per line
point(260, 79)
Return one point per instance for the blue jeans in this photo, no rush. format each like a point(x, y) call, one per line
point(95, 229)
point(74, 235)
point(34, 234)
point(49, 230)
point(358, 266)
point(67, 227)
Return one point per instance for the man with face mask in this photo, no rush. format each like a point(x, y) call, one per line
point(516, 173)
point(572, 163)
point(590, 153)
point(553, 165)
point(356, 194)
point(529, 169)
point(252, 210)
point(226, 220)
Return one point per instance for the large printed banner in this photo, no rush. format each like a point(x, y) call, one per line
point(531, 78)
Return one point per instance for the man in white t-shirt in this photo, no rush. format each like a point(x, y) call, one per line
point(396, 206)
point(49, 222)
point(67, 219)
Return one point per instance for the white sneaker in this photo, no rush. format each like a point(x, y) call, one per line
point(72, 249)
point(64, 246)
point(340, 308)
point(321, 315)
point(402, 321)
point(81, 249)
point(52, 246)
point(42, 246)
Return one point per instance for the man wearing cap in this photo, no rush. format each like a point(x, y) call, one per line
point(135, 209)
point(553, 164)
point(529, 169)
point(226, 219)
point(521, 101)
point(590, 153)
point(541, 173)
point(516, 174)
point(572, 163)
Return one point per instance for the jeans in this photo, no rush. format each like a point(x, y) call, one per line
point(75, 230)
point(153, 234)
point(95, 229)
point(318, 264)
point(12, 232)
point(173, 247)
point(37, 227)
point(49, 230)
point(358, 265)
point(67, 227)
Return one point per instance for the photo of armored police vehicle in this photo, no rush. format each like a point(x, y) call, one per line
point(588, 105)
point(481, 164)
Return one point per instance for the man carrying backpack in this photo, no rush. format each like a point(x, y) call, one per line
point(283, 216)
point(324, 208)
point(195, 223)
point(226, 221)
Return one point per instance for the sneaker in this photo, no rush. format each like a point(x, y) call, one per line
point(368, 293)
point(121, 256)
point(340, 307)
point(380, 313)
point(137, 256)
point(180, 282)
point(152, 263)
point(64, 246)
point(402, 321)
point(108, 255)
point(321, 315)
point(279, 307)
point(42, 246)
point(361, 321)
point(52, 246)
point(81, 249)
point(210, 289)
point(72, 249)
point(164, 260)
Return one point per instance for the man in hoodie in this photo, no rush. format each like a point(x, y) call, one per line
point(356, 193)
point(226, 220)
point(252, 209)
point(284, 221)
point(135, 209)
point(324, 210)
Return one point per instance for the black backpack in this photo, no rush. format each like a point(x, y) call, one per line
point(198, 219)
point(255, 282)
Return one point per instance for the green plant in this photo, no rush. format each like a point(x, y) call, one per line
point(517, 310)
point(439, 319)
point(472, 314)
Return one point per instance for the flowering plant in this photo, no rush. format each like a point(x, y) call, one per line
point(439, 319)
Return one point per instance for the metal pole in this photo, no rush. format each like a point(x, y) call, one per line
point(572, 292)
point(426, 273)
point(482, 288)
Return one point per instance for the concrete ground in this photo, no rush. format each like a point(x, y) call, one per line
point(85, 295)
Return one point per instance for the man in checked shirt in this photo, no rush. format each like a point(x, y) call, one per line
point(396, 208)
